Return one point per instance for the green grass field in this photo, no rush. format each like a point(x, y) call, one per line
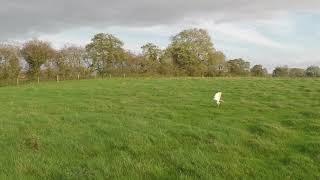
point(161, 129)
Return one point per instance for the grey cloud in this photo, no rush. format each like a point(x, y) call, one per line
point(30, 17)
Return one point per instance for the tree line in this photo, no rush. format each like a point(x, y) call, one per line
point(190, 53)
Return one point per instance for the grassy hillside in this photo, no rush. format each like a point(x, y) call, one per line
point(161, 128)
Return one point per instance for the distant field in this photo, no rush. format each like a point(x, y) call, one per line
point(161, 129)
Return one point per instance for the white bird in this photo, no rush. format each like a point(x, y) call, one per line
point(217, 98)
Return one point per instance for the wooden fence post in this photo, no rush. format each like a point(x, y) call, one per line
point(38, 79)
point(57, 78)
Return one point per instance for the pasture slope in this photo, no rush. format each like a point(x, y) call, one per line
point(161, 129)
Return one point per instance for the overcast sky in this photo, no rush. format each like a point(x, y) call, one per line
point(272, 32)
